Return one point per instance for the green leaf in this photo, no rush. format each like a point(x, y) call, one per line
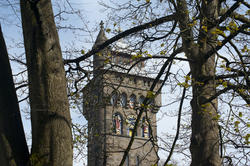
point(240, 114)
point(108, 30)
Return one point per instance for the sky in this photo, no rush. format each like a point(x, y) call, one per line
point(11, 26)
point(93, 14)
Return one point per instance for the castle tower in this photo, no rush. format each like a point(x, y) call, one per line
point(111, 103)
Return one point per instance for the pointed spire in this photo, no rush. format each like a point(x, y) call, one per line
point(101, 25)
point(101, 37)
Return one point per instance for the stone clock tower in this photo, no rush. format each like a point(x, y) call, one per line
point(110, 104)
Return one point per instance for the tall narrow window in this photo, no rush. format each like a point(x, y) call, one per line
point(145, 128)
point(131, 124)
point(141, 99)
point(117, 123)
point(132, 101)
point(130, 132)
point(113, 99)
point(124, 100)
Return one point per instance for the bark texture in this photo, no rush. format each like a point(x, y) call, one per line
point(204, 146)
point(50, 116)
point(13, 146)
point(205, 133)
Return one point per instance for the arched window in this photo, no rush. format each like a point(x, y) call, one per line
point(114, 98)
point(145, 128)
point(124, 100)
point(131, 124)
point(117, 123)
point(141, 99)
point(132, 101)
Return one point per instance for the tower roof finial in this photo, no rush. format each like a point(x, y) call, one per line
point(101, 24)
point(101, 37)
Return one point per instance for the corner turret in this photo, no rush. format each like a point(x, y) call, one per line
point(99, 58)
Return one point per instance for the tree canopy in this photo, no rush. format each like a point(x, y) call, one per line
point(199, 48)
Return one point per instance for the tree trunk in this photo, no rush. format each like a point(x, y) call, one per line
point(13, 146)
point(50, 116)
point(205, 132)
point(204, 146)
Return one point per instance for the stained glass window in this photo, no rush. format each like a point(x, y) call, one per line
point(131, 124)
point(117, 123)
point(124, 100)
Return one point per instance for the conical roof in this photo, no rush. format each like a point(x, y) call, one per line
point(101, 37)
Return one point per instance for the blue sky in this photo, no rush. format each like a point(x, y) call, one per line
point(93, 13)
point(11, 26)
